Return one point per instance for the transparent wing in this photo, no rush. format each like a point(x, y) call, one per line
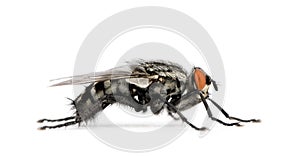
point(123, 72)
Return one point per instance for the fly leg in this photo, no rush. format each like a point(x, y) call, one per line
point(230, 117)
point(192, 98)
point(56, 120)
point(104, 101)
point(183, 118)
point(171, 114)
point(213, 118)
point(76, 121)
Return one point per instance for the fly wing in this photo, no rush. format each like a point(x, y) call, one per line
point(123, 72)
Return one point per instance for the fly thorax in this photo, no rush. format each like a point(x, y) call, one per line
point(140, 82)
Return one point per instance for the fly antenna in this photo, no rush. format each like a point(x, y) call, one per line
point(215, 84)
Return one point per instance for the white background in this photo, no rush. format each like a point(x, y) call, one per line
point(258, 42)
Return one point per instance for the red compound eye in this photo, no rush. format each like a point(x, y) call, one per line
point(200, 78)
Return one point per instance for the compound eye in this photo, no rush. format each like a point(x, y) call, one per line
point(200, 78)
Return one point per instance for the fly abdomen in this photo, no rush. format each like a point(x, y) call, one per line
point(94, 99)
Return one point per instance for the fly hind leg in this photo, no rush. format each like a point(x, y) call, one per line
point(76, 120)
point(171, 114)
point(56, 120)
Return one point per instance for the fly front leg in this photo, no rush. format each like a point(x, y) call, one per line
point(191, 99)
point(183, 118)
point(231, 117)
point(213, 118)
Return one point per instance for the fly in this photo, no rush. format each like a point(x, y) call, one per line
point(157, 85)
